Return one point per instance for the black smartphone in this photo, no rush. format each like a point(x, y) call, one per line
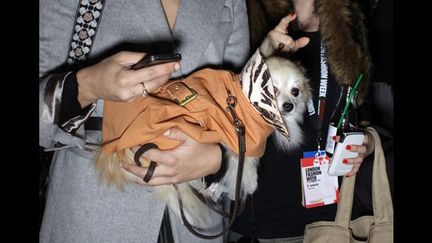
point(154, 59)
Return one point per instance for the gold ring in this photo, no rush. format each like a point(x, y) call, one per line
point(145, 92)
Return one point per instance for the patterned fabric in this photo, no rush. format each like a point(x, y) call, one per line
point(85, 26)
point(86, 23)
point(261, 93)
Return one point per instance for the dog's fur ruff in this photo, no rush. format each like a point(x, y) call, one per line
point(286, 77)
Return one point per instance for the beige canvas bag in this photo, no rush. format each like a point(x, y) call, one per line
point(373, 229)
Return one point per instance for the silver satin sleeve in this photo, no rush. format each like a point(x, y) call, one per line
point(53, 135)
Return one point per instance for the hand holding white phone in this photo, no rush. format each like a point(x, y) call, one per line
point(337, 168)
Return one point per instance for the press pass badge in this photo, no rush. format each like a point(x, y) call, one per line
point(318, 188)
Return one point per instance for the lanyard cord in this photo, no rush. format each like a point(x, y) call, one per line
point(318, 117)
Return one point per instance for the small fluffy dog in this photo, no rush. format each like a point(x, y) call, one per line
point(292, 93)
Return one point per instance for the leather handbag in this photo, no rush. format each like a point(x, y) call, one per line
point(373, 229)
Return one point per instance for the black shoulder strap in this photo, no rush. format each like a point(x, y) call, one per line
point(87, 20)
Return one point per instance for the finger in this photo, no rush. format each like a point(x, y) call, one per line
point(161, 157)
point(336, 138)
point(353, 161)
point(361, 149)
point(161, 170)
point(168, 180)
point(128, 58)
point(293, 46)
point(354, 170)
point(152, 72)
point(150, 86)
point(163, 180)
point(176, 134)
point(284, 22)
point(302, 42)
point(282, 42)
point(278, 37)
point(154, 85)
point(157, 180)
point(139, 90)
point(134, 169)
point(166, 157)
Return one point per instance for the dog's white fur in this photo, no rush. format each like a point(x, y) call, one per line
point(292, 88)
point(287, 76)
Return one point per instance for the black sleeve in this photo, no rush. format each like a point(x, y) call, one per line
point(222, 170)
point(70, 106)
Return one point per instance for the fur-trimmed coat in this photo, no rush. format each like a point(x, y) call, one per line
point(342, 29)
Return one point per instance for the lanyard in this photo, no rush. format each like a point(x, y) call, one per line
point(318, 117)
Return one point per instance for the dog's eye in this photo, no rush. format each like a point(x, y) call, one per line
point(295, 92)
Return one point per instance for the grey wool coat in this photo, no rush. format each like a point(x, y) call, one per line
point(79, 208)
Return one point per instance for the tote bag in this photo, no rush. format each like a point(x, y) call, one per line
point(373, 229)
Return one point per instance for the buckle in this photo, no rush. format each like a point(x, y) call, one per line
point(181, 93)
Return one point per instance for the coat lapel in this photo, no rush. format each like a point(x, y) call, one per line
point(197, 22)
point(198, 19)
point(156, 24)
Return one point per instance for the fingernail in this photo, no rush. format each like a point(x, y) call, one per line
point(177, 66)
point(346, 176)
point(121, 164)
point(292, 14)
point(281, 46)
point(334, 138)
point(348, 147)
point(345, 161)
point(167, 132)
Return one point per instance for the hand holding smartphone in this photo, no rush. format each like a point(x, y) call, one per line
point(154, 59)
point(337, 168)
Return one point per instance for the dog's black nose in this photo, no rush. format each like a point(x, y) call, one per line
point(287, 107)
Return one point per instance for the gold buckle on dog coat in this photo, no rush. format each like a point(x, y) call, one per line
point(181, 93)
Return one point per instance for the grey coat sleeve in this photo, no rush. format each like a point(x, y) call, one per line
point(237, 50)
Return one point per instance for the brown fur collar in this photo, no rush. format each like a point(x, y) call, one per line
point(342, 28)
point(344, 35)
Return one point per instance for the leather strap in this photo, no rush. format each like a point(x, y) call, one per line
point(212, 205)
point(238, 202)
point(152, 165)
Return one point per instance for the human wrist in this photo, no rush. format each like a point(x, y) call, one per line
point(217, 160)
point(220, 171)
point(86, 94)
point(69, 105)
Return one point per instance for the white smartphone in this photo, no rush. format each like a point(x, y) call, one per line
point(337, 168)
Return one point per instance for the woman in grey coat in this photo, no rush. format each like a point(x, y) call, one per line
point(79, 207)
